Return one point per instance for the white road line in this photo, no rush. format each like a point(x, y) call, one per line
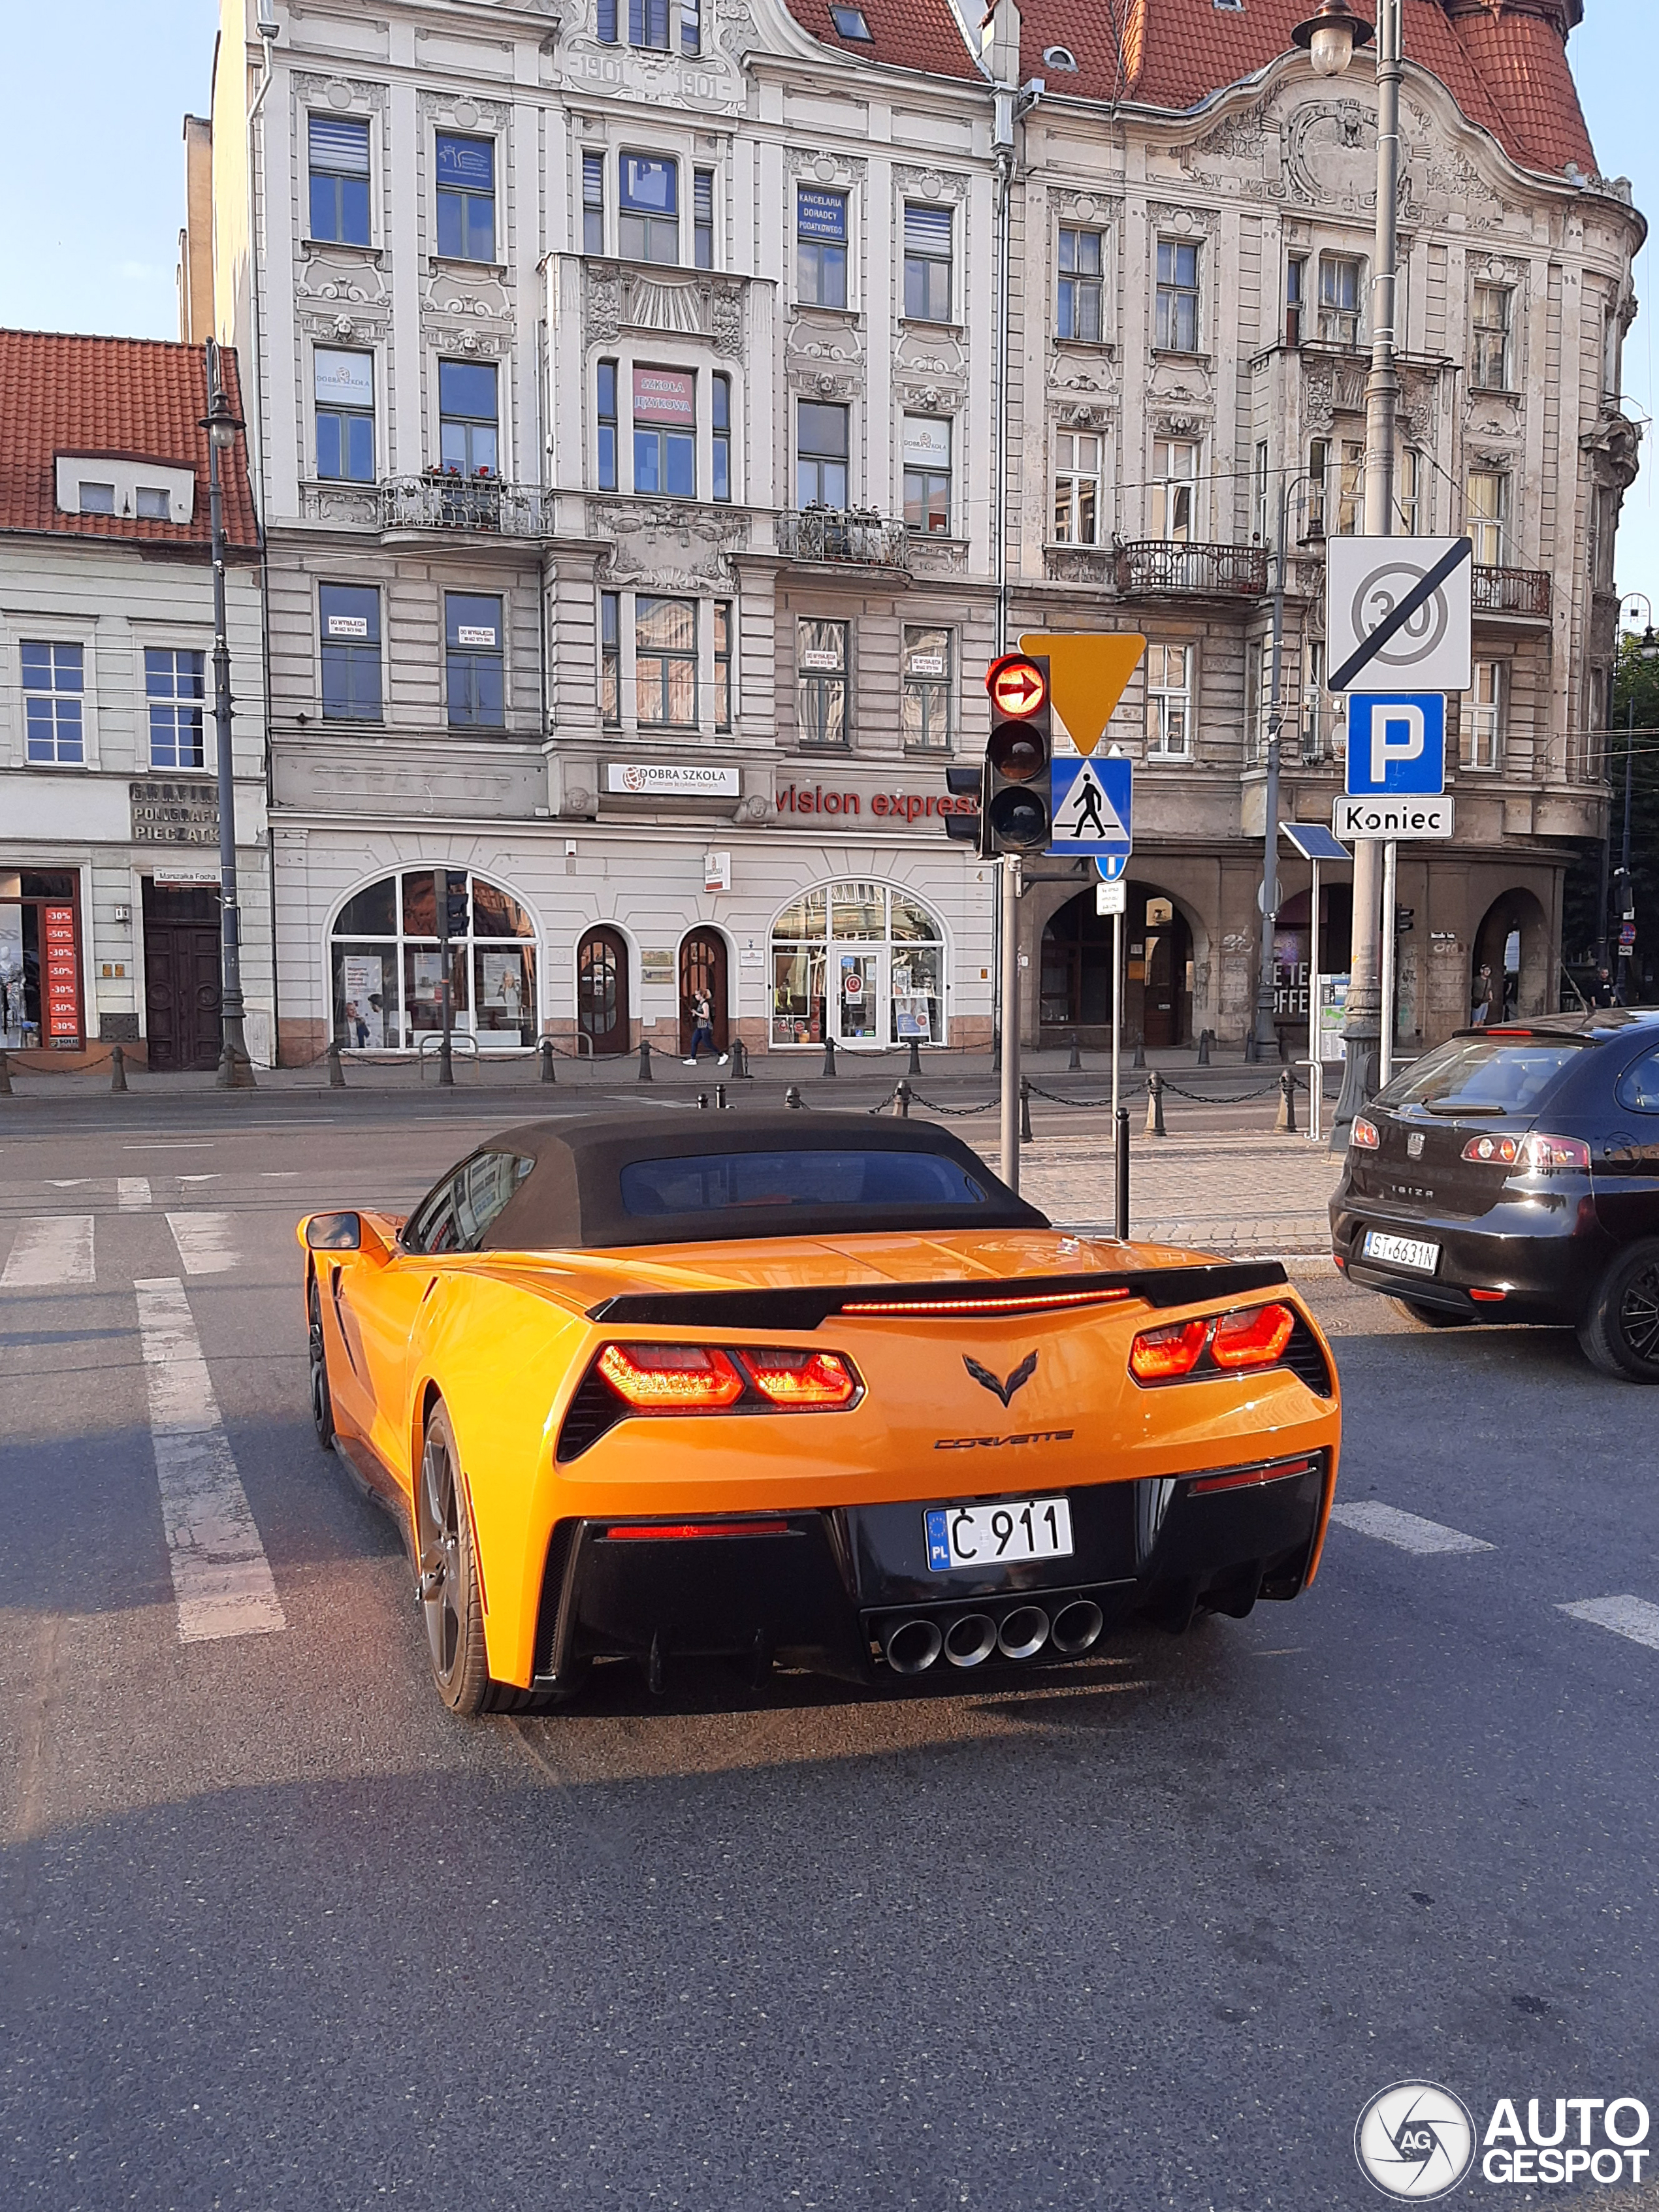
point(222, 1578)
point(1626, 1616)
point(1407, 1530)
point(50, 1249)
point(132, 1193)
point(204, 1242)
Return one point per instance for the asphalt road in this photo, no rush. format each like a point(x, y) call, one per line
point(279, 1933)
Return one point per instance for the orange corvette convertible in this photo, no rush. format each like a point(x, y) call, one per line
point(815, 1390)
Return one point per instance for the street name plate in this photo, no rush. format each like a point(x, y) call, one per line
point(1392, 817)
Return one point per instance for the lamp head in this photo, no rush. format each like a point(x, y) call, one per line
point(221, 422)
point(1330, 36)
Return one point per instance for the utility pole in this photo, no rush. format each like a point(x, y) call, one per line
point(236, 1069)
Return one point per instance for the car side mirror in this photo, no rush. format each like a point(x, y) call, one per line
point(335, 1233)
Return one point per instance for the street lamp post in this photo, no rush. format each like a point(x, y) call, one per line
point(1330, 37)
point(1263, 1036)
point(1648, 650)
point(236, 1069)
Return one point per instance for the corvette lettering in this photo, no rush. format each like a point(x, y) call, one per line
point(998, 1443)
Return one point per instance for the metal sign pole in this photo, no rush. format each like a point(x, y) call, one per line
point(1315, 1065)
point(1390, 949)
point(1118, 1006)
point(1010, 905)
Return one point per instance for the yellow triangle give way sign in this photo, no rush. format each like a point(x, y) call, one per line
point(1087, 672)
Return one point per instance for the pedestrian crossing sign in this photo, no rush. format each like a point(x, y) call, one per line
point(1090, 807)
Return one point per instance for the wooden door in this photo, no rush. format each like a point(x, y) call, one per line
point(702, 967)
point(602, 1010)
point(182, 977)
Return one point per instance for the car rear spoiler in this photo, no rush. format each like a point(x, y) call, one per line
point(808, 1308)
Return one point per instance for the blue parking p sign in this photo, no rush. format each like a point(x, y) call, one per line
point(1396, 744)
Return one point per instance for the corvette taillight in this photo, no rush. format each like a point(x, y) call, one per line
point(678, 1378)
point(1252, 1338)
point(1534, 1155)
point(801, 1378)
point(1158, 1355)
point(1229, 1343)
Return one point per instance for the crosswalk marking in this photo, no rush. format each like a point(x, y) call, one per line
point(1626, 1616)
point(204, 1242)
point(222, 1579)
point(1407, 1530)
point(132, 1193)
point(50, 1250)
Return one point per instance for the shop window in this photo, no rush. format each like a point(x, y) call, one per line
point(388, 971)
point(821, 683)
point(820, 247)
point(350, 618)
point(466, 197)
point(54, 686)
point(474, 662)
point(175, 684)
point(338, 150)
point(39, 960)
point(860, 963)
point(925, 704)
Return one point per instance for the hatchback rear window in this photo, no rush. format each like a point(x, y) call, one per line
point(718, 1182)
point(1482, 1075)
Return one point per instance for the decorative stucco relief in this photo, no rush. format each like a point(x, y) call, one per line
point(676, 545)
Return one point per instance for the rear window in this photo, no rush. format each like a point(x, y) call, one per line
point(720, 1181)
point(1482, 1075)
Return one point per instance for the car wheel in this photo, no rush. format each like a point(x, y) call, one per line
point(1430, 1316)
point(1620, 1332)
point(322, 1399)
point(448, 1588)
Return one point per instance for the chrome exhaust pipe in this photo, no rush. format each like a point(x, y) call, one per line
point(1077, 1627)
point(1024, 1632)
point(971, 1637)
point(912, 1646)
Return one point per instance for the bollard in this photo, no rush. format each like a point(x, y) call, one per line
point(5, 1075)
point(1286, 1124)
point(902, 1100)
point(792, 1097)
point(1203, 1037)
point(1252, 1050)
point(1122, 1222)
point(1155, 1107)
point(547, 1060)
point(703, 1100)
point(118, 1068)
point(1025, 1110)
point(646, 1075)
point(1140, 1059)
point(720, 1106)
point(1283, 1048)
point(828, 1055)
point(336, 1073)
point(914, 1068)
point(1074, 1064)
point(740, 1067)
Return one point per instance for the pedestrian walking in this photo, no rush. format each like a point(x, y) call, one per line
point(1602, 992)
point(1485, 997)
point(702, 1029)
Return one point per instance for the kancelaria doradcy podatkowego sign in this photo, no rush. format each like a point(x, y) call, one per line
point(166, 811)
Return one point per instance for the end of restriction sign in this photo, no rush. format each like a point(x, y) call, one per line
point(1392, 818)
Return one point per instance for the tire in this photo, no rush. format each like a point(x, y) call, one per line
point(1620, 1332)
point(322, 1398)
point(1430, 1316)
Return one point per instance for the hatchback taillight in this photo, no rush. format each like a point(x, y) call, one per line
point(1363, 1135)
point(1537, 1154)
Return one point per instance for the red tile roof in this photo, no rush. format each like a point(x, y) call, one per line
point(914, 34)
point(140, 398)
point(1505, 62)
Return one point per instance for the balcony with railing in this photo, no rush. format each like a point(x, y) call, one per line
point(470, 505)
point(1518, 592)
point(1157, 567)
point(855, 537)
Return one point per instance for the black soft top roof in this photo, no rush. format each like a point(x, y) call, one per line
point(572, 1199)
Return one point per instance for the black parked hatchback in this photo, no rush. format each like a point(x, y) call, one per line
point(1512, 1174)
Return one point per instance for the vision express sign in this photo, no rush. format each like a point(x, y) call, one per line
point(907, 808)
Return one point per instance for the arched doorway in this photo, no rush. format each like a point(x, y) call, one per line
point(1075, 988)
point(387, 960)
point(1513, 940)
point(702, 968)
point(602, 1014)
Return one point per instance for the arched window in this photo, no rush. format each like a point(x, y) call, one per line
point(387, 960)
point(862, 963)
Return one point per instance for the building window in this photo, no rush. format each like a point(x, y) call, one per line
point(666, 661)
point(1169, 702)
point(722, 664)
point(592, 204)
point(388, 972)
point(97, 498)
point(1339, 300)
point(1296, 284)
point(820, 247)
point(1177, 297)
point(852, 24)
point(473, 664)
point(703, 218)
point(665, 432)
point(820, 455)
point(1487, 516)
point(925, 706)
point(927, 263)
point(1264, 514)
point(1416, 512)
point(927, 474)
point(651, 23)
point(722, 411)
point(466, 197)
point(607, 425)
point(610, 657)
point(1491, 337)
point(467, 440)
point(1175, 489)
point(155, 504)
point(649, 226)
point(1077, 488)
point(344, 386)
point(821, 683)
point(1079, 300)
point(1337, 497)
point(53, 687)
point(339, 179)
point(175, 685)
point(1312, 702)
point(1482, 746)
point(350, 617)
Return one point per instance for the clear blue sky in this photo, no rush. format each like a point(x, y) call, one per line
point(96, 249)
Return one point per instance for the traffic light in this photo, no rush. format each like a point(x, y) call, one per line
point(457, 917)
point(1405, 918)
point(1018, 755)
point(967, 828)
point(1624, 895)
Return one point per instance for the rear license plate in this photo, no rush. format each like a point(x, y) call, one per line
point(995, 1536)
point(1402, 1251)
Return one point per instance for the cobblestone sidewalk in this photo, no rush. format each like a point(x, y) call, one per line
point(1243, 1194)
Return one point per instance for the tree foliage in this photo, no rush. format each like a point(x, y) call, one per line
point(1635, 701)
